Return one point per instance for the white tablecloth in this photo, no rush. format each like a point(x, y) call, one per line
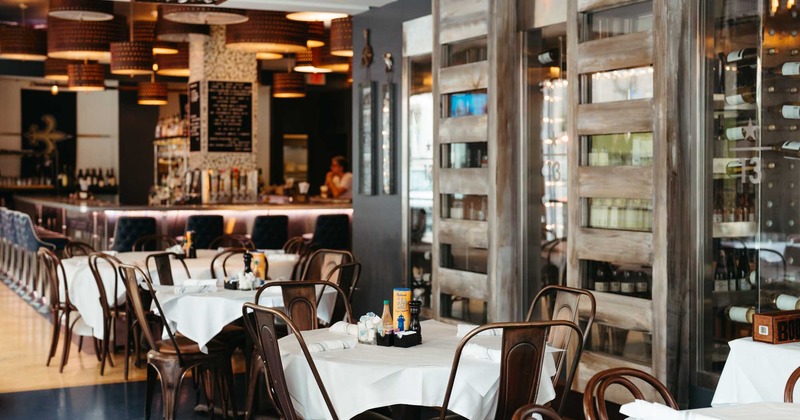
point(367, 376)
point(756, 372)
point(84, 295)
point(763, 410)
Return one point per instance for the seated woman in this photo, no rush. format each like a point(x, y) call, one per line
point(338, 180)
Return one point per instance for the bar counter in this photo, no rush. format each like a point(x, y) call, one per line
point(93, 221)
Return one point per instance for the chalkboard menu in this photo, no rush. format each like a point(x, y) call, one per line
point(194, 117)
point(230, 116)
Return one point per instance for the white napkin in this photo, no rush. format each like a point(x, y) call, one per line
point(342, 327)
point(479, 352)
point(195, 286)
point(643, 410)
point(175, 248)
point(110, 252)
point(464, 329)
point(327, 345)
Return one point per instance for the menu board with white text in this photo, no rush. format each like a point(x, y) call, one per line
point(230, 116)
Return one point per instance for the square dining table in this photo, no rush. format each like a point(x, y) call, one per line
point(368, 376)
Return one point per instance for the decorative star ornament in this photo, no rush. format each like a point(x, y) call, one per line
point(750, 130)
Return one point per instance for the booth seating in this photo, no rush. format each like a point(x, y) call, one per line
point(206, 228)
point(129, 229)
point(270, 232)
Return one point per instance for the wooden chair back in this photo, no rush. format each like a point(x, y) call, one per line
point(163, 265)
point(232, 241)
point(526, 412)
point(295, 245)
point(153, 243)
point(300, 301)
point(321, 263)
point(220, 261)
point(75, 249)
point(522, 357)
point(594, 401)
point(564, 303)
point(260, 323)
point(53, 274)
point(346, 276)
point(94, 259)
point(788, 392)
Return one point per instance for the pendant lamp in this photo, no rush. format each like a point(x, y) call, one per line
point(145, 30)
point(176, 65)
point(304, 63)
point(323, 59)
point(288, 85)
point(56, 69)
point(316, 34)
point(132, 57)
point(152, 93)
point(342, 37)
point(81, 10)
point(86, 77)
point(81, 40)
point(170, 31)
point(204, 15)
point(324, 17)
point(23, 42)
point(263, 55)
point(268, 32)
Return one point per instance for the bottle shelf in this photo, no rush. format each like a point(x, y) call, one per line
point(734, 229)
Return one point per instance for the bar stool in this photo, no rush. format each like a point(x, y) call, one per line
point(129, 229)
point(206, 228)
point(270, 232)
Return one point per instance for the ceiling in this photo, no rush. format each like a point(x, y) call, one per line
point(37, 9)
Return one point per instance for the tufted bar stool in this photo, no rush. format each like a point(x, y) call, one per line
point(270, 232)
point(29, 243)
point(129, 229)
point(332, 231)
point(206, 228)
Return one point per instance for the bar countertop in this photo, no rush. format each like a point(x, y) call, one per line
point(103, 205)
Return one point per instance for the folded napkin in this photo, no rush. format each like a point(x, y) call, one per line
point(342, 327)
point(464, 329)
point(479, 352)
point(643, 410)
point(196, 286)
point(175, 248)
point(328, 345)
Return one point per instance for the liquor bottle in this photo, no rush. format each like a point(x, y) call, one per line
point(733, 278)
point(248, 258)
point(744, 130)
point(112, 180)
point(642, 285)
point(740, 314)
point(386, 318)
point(790, 68)
point(601, 283)
point(743, 95)
point(627, 285)
point(743, 268)
point(101, 179)
point(785, 302)
point(743, 57)
point(790, 111)
point(614, 283)
point(549, 57)
point(721, 273)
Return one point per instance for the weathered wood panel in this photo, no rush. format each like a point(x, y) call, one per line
point(634, 116)
point(472, 233)
point(464, 181)
point(464, 78)
point(463, 283)
point(615, 182)
point(594, 362)
point(463, 129)
point(596, 5)
point(614, 246)
point(462, 19)
point(619, 52)
point(573, 147)
point(628, 313)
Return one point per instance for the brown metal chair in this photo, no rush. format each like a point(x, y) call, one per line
point(564, 303)
point(522, 357)
point(526, 412)
point(788, 393)
point(75, 249)
point(232, 241)
point(111, 311)
point(163, 266)
point(153, 242)
point(346, 276)
point(300, 304)
point(222, 258)
point(170, 359)
point(295, 245)
point(321, 262)
point(594, 402)
point(62, 310)
point(260, 322)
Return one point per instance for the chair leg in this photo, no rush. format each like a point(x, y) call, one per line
point(151, 385)
point(80, 344)
point(170, 372)
point(67, 342)
point(56, 333)
point(256, 368)
point(128, 326)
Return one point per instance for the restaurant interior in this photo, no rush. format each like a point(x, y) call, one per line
point(403, 209)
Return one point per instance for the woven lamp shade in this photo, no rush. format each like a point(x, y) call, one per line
point(288, 85)
point(342, 37)
point(132, 58)
point(267, 32)
point(23, 43)
point(323, 59)
point(304, 63)
point(81, 40)
point(315, 16)
point(152, 93)
point(264, 55)
point(167, 30)
point(145, 30)
point(203, 15)
point(56, 68)
point(81, 10)
point(176, 65)
point(86, 77)
point(316, 34)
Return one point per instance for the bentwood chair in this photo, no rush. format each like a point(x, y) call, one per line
point(111, 310)
point(526, 412)
point(260, 323)
point(321, 263)
point(232, 241)
point(300, 305)
point(220, 261)
point(295, 245)
point(270, 232)
point(153, 242)
point(346, 276)
point(205, 228)
point(163, 266)
point(129, 229)
point(788, 392)
point(169, 359)
point(62, 310)
point(521, 362)
point(564, 303)
point(75, 249)
point(594, 401)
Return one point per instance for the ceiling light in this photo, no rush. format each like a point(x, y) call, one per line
point(323, 59)
point(81, 40)
point(312, 16)
point(264, 55)
point(56, 69)
point(176, 65)
point(81, 10)
point(86, 77)
point(167, 30)
point(23, 43)
point(203, 15)
point(267, 31)
point(342, 37)
point(152, 93)
point(316, 35)
point(288, 85)
point(304, 63)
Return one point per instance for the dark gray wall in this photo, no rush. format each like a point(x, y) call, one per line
point(377, 223)
point(136, 124)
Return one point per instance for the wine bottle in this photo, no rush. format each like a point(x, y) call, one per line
point(721, 273)
point(628, 283)
point(774, 127)
point(740, 314)
point(743, 95)
point(789, 68)
point(600, 279)
point(786, 302)
point(743, 268)
point(736, 167)
point(789, 149)
point(791, 90)
point(549, 57)
point(733, 278)
point(744, 130)
point(789, 111)
point(642, 285)
point(743, 57)
point(614, 283)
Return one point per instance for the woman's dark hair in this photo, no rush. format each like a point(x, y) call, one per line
point(341, 161)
